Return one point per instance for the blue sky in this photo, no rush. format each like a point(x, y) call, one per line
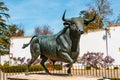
point(32, 13)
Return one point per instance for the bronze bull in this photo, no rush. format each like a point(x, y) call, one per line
point(63, 46)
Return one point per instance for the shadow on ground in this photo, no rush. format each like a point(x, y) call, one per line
point(54, 74)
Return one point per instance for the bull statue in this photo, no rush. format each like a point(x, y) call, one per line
point(63, 46)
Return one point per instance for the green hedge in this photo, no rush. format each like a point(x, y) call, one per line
point(116, 67)
point(56, 66)
point(88, 67)
point(36, 68)
point(10, 69)
point(22, 68)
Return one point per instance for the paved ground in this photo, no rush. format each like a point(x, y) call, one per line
point(50, 77)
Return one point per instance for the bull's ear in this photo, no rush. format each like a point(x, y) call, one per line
point(66, 24)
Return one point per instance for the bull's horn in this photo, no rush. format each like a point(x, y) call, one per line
point(92, 19)
point(63, 17)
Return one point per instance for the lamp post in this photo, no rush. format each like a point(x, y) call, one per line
point(105, 37)
point(106, 40)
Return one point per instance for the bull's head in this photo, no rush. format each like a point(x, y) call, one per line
point(77, 23)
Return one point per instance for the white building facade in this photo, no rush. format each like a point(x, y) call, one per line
point(96, 42)
point(93, 42)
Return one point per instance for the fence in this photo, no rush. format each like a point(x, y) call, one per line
point(109, 72)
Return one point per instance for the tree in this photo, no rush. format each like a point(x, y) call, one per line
point(16, 30)
point(96, 24)
point(95, 60)
point(103, 11)
point(4, 32)
point(3, 10)
point(117, 20)
point(43, 30)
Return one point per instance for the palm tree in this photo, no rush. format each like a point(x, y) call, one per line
point(4, 32)
point(3, 10)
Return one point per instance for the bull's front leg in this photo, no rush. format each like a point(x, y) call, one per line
point(66, 57)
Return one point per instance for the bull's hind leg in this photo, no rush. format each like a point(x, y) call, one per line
point(44, 59)
point(35, 52)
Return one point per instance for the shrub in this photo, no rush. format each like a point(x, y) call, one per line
point(58, 67)
point(36, 68)
point(12, 69)
point(6, 63)
point(22, 68)
point(116, 67)
point(88, 67)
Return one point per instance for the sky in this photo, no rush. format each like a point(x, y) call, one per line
point(32, 13)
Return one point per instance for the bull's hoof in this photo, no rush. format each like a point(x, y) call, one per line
point(67, 65)
point(69, 74)
point(49, 73)
point(69, 71)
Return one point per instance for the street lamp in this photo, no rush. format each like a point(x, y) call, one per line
point(106, 41)
point(105, 37)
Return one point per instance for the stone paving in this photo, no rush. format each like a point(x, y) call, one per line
point(50, 77)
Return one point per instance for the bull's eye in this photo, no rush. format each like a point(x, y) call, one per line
point(66, 24)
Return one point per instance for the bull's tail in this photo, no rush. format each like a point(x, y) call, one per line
point(25, 45)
